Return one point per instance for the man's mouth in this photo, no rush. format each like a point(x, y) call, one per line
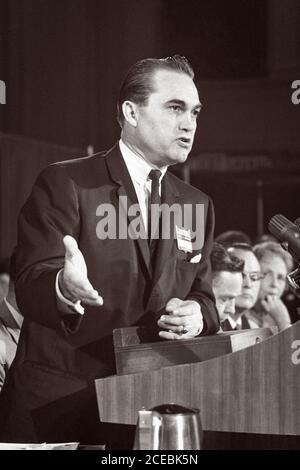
point(184, 141)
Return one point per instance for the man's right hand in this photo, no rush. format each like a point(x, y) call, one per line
point(73, 280)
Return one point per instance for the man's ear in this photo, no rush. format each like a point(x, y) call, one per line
point(130, 112)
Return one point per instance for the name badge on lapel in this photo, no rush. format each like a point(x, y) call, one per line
point(184, 240)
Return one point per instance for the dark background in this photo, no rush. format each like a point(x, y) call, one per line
point(63, 61)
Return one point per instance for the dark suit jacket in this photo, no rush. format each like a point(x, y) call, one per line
point(9, 336)
point(59, 356)
point(226, 326)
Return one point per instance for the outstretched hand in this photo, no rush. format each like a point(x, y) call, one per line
point(73, 280)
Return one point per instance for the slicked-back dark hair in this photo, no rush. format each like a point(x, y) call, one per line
point(222, 260)
point(137, 84)
point(239, 246)
point(233, 236)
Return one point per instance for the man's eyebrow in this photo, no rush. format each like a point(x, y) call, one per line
point(198, 106)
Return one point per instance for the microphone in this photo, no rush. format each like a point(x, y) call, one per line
point(297, 222)
point(288, 233)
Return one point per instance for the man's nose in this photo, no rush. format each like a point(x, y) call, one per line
point(247, 281)
point(221, 309)
point(188, 122)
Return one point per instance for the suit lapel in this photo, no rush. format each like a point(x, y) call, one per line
point(226, 326)
point(127, 197)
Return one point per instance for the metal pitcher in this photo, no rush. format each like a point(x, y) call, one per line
point(168, 427)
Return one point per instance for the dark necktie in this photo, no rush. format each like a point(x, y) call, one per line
point(226, 326)
point(154, 211)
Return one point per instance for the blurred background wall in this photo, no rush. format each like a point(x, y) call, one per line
point(63, 61)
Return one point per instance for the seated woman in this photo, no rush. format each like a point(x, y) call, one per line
point(269, 310)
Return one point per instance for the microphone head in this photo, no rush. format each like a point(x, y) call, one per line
point(277, 224)
point(297, 222)
point(288, 233)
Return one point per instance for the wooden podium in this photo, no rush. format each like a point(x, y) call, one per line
point(253, 390)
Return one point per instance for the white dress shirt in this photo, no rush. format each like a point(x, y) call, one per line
point(139, 170)
point(235, 323)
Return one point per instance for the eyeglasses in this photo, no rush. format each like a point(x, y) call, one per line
point(253, 276)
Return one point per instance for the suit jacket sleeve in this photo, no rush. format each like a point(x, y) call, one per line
point(2, 362)
point(50, 213)
point(201, 290)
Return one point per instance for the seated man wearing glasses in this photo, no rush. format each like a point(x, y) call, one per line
point(250, 288)
point(227, 280)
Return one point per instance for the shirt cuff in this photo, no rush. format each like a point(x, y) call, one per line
point(65, 305)
point(195, 333)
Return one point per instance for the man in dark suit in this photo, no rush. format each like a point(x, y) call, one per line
point(80, 274)
point(250, 288)
point(227, 282)
point(10, 326)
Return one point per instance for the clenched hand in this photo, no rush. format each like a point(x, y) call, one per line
point(183, 319)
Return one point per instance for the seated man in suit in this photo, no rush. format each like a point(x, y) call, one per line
point(85, 265)
point(227, 282)
point(10, 326)
point(4, 277)
point(252, 277)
